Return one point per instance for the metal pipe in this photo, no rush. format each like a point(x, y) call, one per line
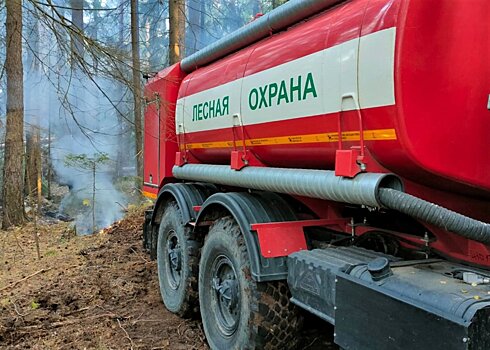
point(322, 184)
point(284, 16)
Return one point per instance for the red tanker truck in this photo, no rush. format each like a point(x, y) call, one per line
point(330, 157)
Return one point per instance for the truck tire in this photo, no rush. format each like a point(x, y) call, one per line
point(178, 261)
point(238, 312)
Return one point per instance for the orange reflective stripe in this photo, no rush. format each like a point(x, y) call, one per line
point(149, 195)
point(369, 135)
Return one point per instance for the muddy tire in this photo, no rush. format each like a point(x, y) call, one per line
point(178, 261)
point(237, 312)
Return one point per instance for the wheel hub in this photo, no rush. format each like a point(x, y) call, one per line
point(226, 295)
point(227, 291)
point(175, 256)
point(174, 260)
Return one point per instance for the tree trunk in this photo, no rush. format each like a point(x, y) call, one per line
point(137, 88)
point(277, 3)
point(121, 91)
point(33, 133)
point(48, 175)
point(97, 6)
point(94, 189)
point(77, 22)
point(33, 159)
point(202, 21)
point(13, 199)
point(194, 28)
point(176, 10)
point(257, 7)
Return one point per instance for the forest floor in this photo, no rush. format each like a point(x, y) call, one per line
point(91, 292)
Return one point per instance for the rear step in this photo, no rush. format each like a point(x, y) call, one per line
point(377, 302)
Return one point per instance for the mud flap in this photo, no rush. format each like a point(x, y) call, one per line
point(149, 235)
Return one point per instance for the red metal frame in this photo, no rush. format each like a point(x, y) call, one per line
point(160, 140)
point(278, 239)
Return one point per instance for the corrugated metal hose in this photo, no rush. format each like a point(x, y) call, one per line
point(435, 215)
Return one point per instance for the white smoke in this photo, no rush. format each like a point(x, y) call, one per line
point(89, 127)
point(84, 117)
point(83, 114)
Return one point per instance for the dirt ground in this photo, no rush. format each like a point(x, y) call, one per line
point(92, 292)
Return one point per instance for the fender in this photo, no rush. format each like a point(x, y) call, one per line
point(187, 195)
point(247, 209)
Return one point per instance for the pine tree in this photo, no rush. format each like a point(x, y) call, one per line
point(13, 198)
point(176, 10)
point(137, 87)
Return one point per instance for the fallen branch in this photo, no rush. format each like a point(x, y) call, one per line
point(18, 313)
point(51, 325)
point(13, 284)
point(138, 321)
point(76, 311)
point(311, 344)
point(125, 332)
point(113, 315)
point(125, 209)
point(65, 323)
point(140, 256)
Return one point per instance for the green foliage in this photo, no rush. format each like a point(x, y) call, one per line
point(34, 305)
point(83, 161)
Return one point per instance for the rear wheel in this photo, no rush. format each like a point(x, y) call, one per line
point(237, 312)
point(177, 259)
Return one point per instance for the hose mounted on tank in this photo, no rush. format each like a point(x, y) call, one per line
point(370, 189)
point(284, 16)
point(435, 215)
